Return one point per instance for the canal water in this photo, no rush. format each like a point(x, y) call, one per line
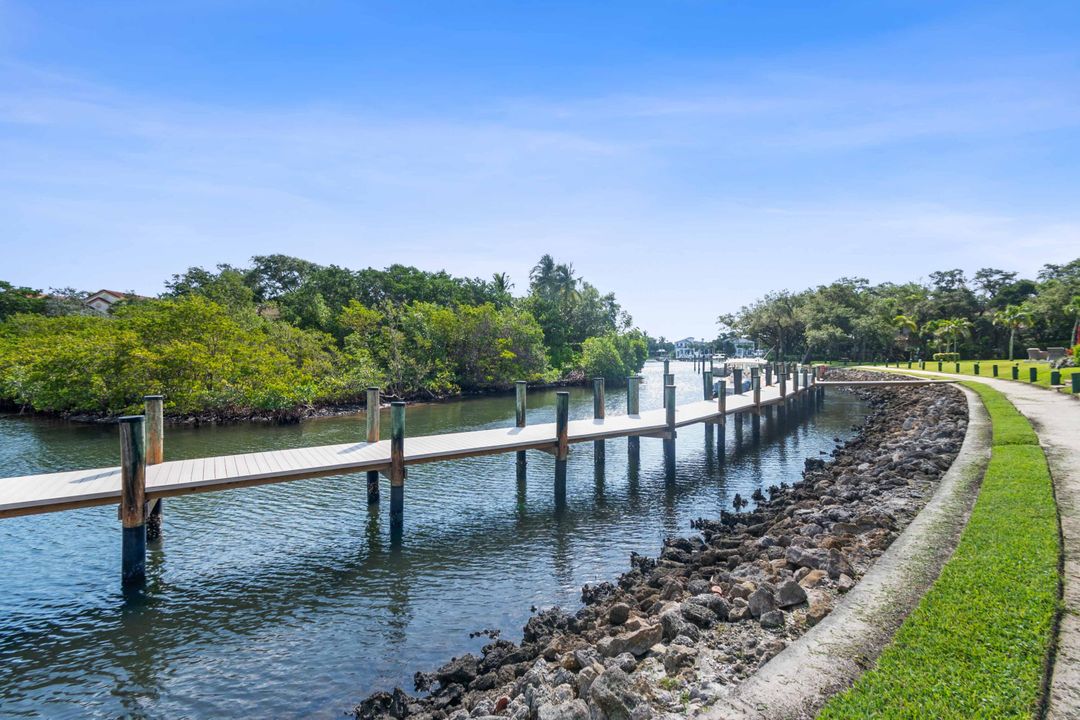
point(290, 601)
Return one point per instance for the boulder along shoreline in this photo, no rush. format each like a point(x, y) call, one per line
point(677, 632)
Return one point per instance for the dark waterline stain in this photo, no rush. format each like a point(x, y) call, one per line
point(292, 598)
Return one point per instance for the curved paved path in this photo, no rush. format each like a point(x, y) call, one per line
point(1056, 418)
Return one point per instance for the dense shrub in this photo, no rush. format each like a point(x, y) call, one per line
point(947, 356)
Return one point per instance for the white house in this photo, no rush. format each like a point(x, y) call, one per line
point(102, 300)
point(744, 347)
point(687, 348)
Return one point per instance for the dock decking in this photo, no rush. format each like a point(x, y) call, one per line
point(53, 492)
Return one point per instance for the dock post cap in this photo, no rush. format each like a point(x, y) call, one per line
point(153, 397)
point(521, 382)
point(131, 418)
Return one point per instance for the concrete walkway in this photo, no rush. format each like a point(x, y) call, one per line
point(1056, 418)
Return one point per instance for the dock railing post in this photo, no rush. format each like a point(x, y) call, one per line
point(155, 454)
point(372, 412)
point(133, 498)
point(397, 464)
point(598, 413)
point(520, 391)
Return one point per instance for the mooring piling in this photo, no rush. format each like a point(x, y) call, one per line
point(133, 499)
point(669, 417)
point(598, 414)
point(755, 380)
point(562, 443)
point(397, 464)
point(372, 413)
point(155, 454)
point(633, 407)
point(737, 380)
point(520, 390)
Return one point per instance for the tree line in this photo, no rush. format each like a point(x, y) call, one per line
point(991, 314)
point(284, 335)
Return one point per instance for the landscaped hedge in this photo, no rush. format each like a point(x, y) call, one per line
point(947, 357)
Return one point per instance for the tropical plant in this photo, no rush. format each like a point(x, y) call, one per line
point(1013, 317)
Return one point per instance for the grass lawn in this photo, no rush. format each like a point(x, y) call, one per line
point(978, 643)
point(986, 369)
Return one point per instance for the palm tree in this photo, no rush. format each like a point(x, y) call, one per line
point(552, 280)
point(906, 325)
point(1015, 318)
point(543, 273)
point(500, 281)
point(952, 331)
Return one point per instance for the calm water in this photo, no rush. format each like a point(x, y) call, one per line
point(289, 600)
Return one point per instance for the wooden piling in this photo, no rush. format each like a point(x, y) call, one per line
point(372, 412)
point(707, 390)
point(155, 454)
point(737, 373)
point(598, 414)
point(133, 498)
point(633, 407)
point(721, 400)
point(756, 380)
point(669, 379)
point(520, 391)
point(669, 416)
point(397, 464)
point(768, 375)
point(562, 425)
point(782, 377)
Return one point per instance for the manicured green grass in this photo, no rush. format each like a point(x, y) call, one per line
point(986, 369)
point(977, 644)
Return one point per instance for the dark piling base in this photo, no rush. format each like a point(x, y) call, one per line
point(153, 521)
point(133, 562)
point(373, 487)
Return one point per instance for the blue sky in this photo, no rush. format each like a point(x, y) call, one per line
point(688, 155)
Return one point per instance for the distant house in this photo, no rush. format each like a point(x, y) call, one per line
point(687, 348)
point(102, 300)
point(744, 347)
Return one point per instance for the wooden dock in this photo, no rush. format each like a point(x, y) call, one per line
point(143, 479)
